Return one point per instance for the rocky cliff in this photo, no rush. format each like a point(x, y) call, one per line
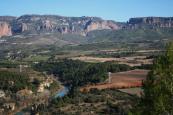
point(151, 22)
point(53, 23)
point(5, 29)
point(35, 24)
point(101, 25)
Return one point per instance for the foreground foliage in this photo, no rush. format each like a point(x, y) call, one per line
point(12, 81)
point(95, 102)
point(158, 87)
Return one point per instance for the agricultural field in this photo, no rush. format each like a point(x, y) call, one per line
point(133, 91)
point(36, 58)
point(130, 61)
point(121, 80)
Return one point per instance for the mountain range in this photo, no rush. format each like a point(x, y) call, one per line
point(31, 32)
point(36, 24)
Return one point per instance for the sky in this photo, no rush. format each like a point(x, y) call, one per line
point(118, 10)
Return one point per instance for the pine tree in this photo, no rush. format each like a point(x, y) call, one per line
point(157, 98)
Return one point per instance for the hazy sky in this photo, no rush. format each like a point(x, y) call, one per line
point(119, 10)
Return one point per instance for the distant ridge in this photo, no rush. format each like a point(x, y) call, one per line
point(36, 24)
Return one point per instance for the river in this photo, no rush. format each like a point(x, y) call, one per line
point(64, 91)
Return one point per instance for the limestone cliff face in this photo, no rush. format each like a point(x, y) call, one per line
point(36, 24)
point(152, 22)
point(24, 27)
point(5, 29)
point(101, 25)
point(47, 24)
point(53, 23)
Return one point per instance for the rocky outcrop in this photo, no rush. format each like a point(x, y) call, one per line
point(24, 27)
point(5, 29)
point(47, 24)
point(151, 22)
point(101, 25)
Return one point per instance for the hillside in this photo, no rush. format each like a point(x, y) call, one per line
point(132, 35)
point(32, 34)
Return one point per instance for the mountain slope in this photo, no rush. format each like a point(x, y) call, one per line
point(130, 35)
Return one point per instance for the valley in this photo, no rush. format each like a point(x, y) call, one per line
point(77, 65)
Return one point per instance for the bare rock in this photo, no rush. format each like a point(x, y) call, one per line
point(5, 29)
point(24, 27)
point(101, 25)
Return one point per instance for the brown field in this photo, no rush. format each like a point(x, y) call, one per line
point(131, 61)
point(121, 80)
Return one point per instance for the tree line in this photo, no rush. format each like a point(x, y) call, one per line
point(78, 73)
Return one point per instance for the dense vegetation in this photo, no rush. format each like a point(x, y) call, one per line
point(77, 73)
point(112, 54)
point(11, 81)
point(7, 64)
point(96, 102)
point(137, 45)
point(130, 35)
point(158, 87)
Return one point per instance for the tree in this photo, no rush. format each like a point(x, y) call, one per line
point(158, 87)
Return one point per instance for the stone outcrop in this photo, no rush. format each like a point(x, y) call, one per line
point(101, 25)
point(47, 24)
point(5, 29)
point(152, 22)
point(24, 27)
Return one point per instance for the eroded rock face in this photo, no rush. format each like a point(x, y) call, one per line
point(34, 24)
point(153, 22)
point(24, 27)
point(5, 29)
point(52, 23)
point(101, 25)
point(47, 24)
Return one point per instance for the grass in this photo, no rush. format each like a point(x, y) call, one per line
point(37, 58)
point(134, 91)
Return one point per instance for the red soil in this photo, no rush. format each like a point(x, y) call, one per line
point(121, 80)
